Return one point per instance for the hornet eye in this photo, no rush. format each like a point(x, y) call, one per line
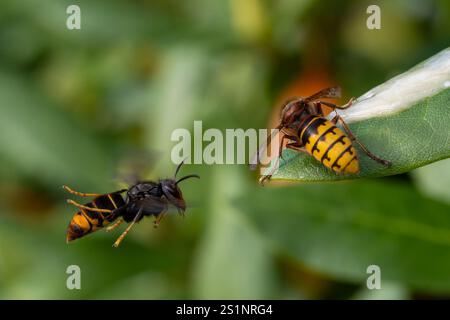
point(175, 192)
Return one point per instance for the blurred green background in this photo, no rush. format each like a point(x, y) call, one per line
point(75, 103)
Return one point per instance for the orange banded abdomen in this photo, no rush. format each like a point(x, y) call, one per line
point(86, 221)
point(329, 145)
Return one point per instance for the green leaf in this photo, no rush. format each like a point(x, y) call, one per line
point(340, 229)
point(404, 120)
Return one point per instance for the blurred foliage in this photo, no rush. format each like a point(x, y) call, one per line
point(391, 232)
point(73, 103)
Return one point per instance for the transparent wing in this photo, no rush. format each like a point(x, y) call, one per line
point(134, 165)
point(332, 92)
point(255, 160)
point(152, 205)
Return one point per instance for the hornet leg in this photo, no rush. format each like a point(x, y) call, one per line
point(114, 225)
point(385, 163)
point(76, 204)
point(123, 235)
point(334, 106)
point(280, 155)
point(297, 147)
point(159, 218)
point(81, 194)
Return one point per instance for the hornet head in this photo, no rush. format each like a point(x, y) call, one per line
point(172, 191)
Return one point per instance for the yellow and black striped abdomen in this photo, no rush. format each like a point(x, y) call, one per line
point(86, 221)
point(329, 145)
